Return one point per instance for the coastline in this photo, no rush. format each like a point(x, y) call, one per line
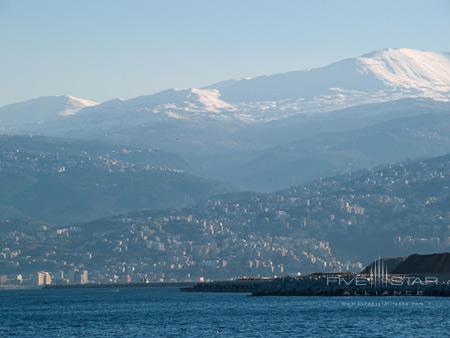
point(119, 285)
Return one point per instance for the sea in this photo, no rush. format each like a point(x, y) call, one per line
point(167, 312)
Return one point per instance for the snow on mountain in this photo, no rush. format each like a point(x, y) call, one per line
point(172, 103)
point(210, 100)
point(75, 104)
point(193, 101)
point(425, 72)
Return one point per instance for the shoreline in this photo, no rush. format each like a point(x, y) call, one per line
point(119, 285)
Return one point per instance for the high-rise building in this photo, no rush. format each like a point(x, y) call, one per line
point(81, 277)
point(43, 278)
point(84, 277)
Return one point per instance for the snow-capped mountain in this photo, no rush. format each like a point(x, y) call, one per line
point(380, 76)
point(427, 73)
point(40, 110)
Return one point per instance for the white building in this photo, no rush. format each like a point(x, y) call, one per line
point(43, 278)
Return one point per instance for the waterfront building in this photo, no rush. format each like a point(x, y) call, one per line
point(84, 277)
point(43, 278)
point(81, 277)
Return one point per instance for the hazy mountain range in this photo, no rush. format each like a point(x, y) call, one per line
point(270, 132)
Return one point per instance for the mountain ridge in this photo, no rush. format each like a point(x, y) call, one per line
point(378, 76)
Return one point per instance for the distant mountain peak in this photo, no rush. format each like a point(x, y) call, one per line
point(390, 50)
point(380, 76)
point(40, 110)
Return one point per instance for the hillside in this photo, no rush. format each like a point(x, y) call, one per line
point(335, 224)
point(68, 181)
point(330, 153)
point(279, 154)
point(438, 263)
point(390, 263)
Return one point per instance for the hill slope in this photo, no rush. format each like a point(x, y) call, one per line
point(331, 153)
point(71, 181)
point(438, 263)
point(334, 224)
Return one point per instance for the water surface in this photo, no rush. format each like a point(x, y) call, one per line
point(166, 312)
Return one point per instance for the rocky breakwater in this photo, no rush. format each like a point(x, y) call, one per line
point(355, 285)
point(242, 284)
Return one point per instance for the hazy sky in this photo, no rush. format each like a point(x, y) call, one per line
point(106, 49)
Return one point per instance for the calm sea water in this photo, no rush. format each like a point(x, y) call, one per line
point(166, 312)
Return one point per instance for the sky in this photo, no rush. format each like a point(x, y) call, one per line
point(100, 49)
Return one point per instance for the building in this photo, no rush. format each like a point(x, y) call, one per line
point(81, 277)
point(84, 277)
point(43, 278)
